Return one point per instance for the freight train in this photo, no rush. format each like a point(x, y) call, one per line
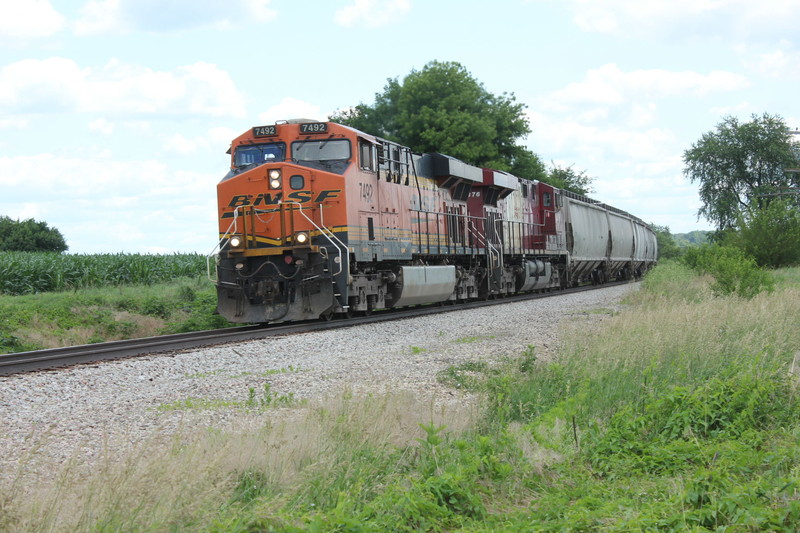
point(318, 219)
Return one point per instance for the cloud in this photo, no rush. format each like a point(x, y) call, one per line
point(781, 62)
point(101, 125)
point(291, 108)
point(731, 20)
point(103, 204)
point(29, 19)
point(609, 86)
point(372, 13)
point(159, 16)
point(42, 86)
point(214, 140)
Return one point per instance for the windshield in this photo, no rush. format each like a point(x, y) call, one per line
point(333, 155)
point(257, 154)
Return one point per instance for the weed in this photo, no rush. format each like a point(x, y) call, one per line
point(466, 376)
point(268, 399)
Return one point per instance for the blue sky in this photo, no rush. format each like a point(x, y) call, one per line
point(115, 115)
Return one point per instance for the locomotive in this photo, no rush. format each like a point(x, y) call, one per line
point(318, 219)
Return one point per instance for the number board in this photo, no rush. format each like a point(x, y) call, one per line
point(265, 131)
point(314, 127)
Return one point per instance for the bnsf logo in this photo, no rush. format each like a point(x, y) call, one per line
point(300, 197)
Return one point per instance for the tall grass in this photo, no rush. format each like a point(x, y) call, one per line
point(34, 272)
point(677, 333)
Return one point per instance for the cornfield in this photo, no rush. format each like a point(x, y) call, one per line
point(33, 272)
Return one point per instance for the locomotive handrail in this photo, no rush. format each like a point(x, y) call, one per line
point(328, 234)
point(218, 246)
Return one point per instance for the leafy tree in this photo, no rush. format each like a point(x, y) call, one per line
point(29, 236)
point(443, 108)
point(569, 179)
point(741, 165)
point(667, 247)
point(770, 235)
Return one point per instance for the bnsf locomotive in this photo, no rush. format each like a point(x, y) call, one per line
point(316, 218)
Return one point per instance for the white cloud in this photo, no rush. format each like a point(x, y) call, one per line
point(289, 108)
point(101, 125)
point(28, 19)
point(103, 204)
point(107, 16)
point(610, 86)
point(372, 13)
point(59, 84)
point(13, 123)
point(732, 19)
point(178, 144)
point(215, 140)
point(781, 62)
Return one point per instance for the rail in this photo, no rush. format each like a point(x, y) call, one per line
point(55, 358)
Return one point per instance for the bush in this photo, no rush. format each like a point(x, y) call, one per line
point(770, 235)
point(734, 271)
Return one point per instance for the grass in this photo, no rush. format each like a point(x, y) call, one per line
point(54, 319)
point(677, 413)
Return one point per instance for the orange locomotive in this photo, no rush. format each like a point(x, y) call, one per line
point(316, 218)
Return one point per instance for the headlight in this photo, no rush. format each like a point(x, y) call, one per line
point(236, 242)
point(301, 238)
point(275, 179)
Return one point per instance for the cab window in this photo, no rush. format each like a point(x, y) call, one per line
point(332, 155)
point(258, 154)
point(366, 155)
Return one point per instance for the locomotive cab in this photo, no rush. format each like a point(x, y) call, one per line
point(283, 242)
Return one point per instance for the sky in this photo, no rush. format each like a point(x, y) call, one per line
point(115, 115)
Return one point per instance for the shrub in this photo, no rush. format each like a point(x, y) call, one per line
point(770, 235)
point(734, 271)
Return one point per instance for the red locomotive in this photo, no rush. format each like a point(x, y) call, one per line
point(316, 218)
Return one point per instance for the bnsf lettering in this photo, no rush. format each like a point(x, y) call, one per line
point(324, 195)
point(300, 197)
point(238, 201)
point(268, 199)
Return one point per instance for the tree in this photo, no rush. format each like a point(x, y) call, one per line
point(569, 179)
point(29, 236)
point(443, 108)
point(667, 247)
point(741, 165)
point(770, 235)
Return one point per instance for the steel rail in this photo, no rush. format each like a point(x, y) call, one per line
point(54, 358)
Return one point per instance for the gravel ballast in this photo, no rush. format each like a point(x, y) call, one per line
point(90, 411)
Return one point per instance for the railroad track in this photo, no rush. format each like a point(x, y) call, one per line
point(55, 358)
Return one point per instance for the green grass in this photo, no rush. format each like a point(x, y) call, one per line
point(677, 413)
point(48, 320)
